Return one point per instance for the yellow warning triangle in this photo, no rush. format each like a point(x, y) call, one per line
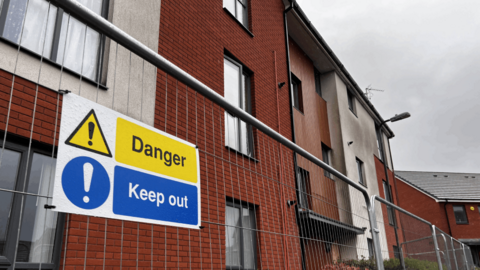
point(89, 136)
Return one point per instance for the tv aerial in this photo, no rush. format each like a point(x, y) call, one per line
point(368, 91)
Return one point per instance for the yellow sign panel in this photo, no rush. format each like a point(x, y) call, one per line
point(146, 149)
point(89, 136)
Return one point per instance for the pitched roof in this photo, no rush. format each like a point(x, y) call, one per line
point(444, 185)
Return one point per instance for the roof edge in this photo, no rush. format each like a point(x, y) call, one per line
point(337, 61)
point(419, 188)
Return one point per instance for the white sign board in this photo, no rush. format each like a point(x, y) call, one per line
point(110, 165)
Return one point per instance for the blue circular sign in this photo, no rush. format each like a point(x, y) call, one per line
point(85, 182)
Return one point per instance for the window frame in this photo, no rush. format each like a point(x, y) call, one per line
point(244, 3)
point(396, 252)
point(380, 143)
point(371, 248)
point(304, 189)
point(243, 205)
point(361, 172)
point(55, 43)
point(351, 102)
point(388, 197)
point(16, 211)
point(464, 212)
point(326, 152)
point(248, 101)
point(297, 93)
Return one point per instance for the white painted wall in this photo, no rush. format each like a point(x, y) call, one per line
point(131, 83)
point(345, 126)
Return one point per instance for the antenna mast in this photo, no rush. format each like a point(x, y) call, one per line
point(368, 91)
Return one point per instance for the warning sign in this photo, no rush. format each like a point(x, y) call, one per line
point(89, 136)
point(110, 165)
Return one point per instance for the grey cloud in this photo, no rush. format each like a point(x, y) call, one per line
point(425, 55)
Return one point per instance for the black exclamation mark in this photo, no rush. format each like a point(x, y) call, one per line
point(91, 128)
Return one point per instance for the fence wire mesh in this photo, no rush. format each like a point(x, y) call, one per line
point(247, 177)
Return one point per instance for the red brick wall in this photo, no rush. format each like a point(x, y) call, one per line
point(422, 205)
point(195, 36)
point(23, 112)
point(465, 231)
point(425, 207)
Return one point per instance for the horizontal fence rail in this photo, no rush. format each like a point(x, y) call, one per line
point(267, 203)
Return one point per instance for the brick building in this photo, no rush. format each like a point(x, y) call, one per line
point(240, 50)
point(336, 122)
point(450, 201)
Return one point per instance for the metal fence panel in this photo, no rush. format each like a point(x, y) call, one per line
point(249, 172)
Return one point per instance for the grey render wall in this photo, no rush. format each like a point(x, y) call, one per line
point(131, 84)
point(359, 128)
point(346, 127)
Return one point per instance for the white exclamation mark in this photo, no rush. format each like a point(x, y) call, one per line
point(87, 179)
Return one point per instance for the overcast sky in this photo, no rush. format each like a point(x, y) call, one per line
point(426, 56)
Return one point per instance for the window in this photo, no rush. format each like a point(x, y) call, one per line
point(380, 144)
point(39, 239)
point(388, 197)
point(351, 101)
point(237, 91)
point(303, 177)
point(396, 252)
point(50, 32)
point(297, 93)
point(240, 236)
point(460, 214)
point(361, 174)
point(370, 248)
point(239, 9)
point(318, 85)
point(326, 158)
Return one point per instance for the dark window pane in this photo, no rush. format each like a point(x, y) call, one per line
point(351, 101)
point(232, 240)
point(379, 145)
point(370, 247)
point(396, 252)
point(37, 233)
point(238, 135)
point(360, 171)
point(38, 21)
point(295, 95)
point(5, 204)
point(303, 178)
point(240, 237)
point(460, 214)
point(388, 197)
point(248, 221)
point(8, 175)
point(14, 21)
point(326, 158)
point(9, 169)
point(42, 172)
point(39, 27)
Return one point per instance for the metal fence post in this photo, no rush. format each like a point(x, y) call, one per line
point(454, 255)
point(402, 260)
point(437, 250)
point(449, 264)
point(465, 256)
point(375, 232)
